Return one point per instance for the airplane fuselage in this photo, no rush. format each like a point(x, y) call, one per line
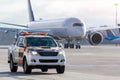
point(64, 28)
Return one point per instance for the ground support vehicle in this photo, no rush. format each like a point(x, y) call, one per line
point(36, 51)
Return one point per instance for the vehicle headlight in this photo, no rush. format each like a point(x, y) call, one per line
point(34, 53)
point(61, 52)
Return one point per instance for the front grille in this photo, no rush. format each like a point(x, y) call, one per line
point(48, 53)
point(48, 61)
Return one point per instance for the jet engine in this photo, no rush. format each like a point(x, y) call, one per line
point(95, 38)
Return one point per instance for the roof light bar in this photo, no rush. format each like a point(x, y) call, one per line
point(35, 33)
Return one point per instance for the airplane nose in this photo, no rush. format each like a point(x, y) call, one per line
point(75, 27)
point(80, 31)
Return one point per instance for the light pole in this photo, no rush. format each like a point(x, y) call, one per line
point(116, 15)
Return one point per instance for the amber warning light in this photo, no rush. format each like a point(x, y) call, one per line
point(35, 33)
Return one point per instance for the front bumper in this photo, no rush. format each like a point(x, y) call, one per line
point(37, 60)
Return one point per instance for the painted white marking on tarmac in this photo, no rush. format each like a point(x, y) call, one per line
point(90, 65)
point(82, 54)
point(4, 75)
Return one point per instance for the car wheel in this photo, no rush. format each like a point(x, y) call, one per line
point(60, 69)
point(26, 68)
point(13, 67)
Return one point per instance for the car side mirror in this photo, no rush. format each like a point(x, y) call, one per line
point(21, 45)
point(60, 45)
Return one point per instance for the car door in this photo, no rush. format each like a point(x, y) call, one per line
point(21, 50)
point(17, 49)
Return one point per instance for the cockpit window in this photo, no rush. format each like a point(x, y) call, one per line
point(78, 25)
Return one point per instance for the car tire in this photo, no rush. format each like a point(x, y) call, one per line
point(13, 67)
point(27, 69)
point(60, 69)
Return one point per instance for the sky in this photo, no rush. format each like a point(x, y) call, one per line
point(94, 13)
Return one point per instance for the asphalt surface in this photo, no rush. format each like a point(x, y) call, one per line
point(88, 63)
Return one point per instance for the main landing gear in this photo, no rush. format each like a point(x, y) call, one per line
point(71, 45)
point(77, 46)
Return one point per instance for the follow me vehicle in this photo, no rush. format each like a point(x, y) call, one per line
point(36, 51)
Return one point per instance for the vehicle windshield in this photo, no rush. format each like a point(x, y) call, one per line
point(40, 41)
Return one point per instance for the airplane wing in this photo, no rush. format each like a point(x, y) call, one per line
point(102, 28)
point(19, 27)
point(10, 28)
point(22, 28)
point(96, 36)
point(14, 24)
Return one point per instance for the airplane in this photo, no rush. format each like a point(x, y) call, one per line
point(97, 36)
point(64, 28)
